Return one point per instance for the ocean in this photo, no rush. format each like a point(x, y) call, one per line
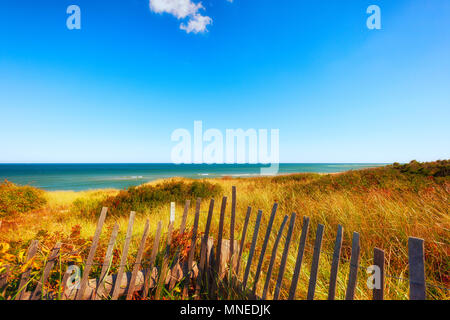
point(119, 176)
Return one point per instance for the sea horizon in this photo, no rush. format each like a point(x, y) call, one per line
point(91, 176)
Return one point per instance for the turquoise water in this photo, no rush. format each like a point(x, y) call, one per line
point(119, 176)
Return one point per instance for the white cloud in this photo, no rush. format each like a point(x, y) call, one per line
point(196, 24)
point(183, 9)
point(179, 8)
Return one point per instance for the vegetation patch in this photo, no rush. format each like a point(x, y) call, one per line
point(440, 168)
point(145, 197)
point(385, 205)
point(16, 199)
point(411, 177)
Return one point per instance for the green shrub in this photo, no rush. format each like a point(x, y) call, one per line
point(16, 199)
point(440, 168)
point(412, 177)
point(145, 197)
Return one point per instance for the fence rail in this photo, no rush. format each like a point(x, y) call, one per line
point(218, 267)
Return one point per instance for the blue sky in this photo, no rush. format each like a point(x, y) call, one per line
point(115, 90)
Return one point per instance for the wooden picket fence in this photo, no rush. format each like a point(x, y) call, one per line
point(218, 268)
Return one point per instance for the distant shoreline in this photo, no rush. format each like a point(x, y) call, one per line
point(79, 177)
point(206, 178)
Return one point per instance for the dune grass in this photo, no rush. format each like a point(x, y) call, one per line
point(385, 205)
point(19, 199)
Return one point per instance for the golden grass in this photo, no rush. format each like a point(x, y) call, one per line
point(384, 217)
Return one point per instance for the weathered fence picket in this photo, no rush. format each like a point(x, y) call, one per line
point(232, 279)
point(149, 271)
point(32, 249)
point(181, 231)
point(243, 235)
point(192, 249)
point(354, 266)
point(378, 260)
point(137, 263)
point(252, 250)
point(209, 264)
point(203, 251)
point(106, 263)
point(263, 248)
point(315, 262)
point(232, 221)
point(219, 246)
point(187, 204)
point(417, 288)
point(298, 263)
point(4, 277)
point(39, 290)
point(284, 257)
point(90, 259)
point(272, 258)
point(335, 263)
point(123, 259)
point(165, 263)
